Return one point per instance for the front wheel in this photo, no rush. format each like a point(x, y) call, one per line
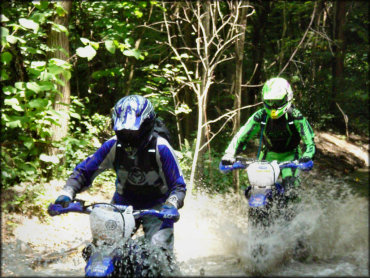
point(259, 217)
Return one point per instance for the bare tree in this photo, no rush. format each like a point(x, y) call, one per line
point(215, 32)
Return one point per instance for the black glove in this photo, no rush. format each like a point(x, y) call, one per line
point(227, 159)
point(63, 200)
point(304, 159)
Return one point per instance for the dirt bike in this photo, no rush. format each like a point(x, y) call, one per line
point(264, 190)
point(267, 201)
point(113, 251)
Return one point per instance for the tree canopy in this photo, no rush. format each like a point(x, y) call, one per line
point(183, 56)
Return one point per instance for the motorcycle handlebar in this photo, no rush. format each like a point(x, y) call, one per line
point(79, 207)
point(243, 163)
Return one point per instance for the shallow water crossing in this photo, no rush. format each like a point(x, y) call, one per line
point(212, 238)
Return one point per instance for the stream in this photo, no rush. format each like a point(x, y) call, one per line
point(212, 237)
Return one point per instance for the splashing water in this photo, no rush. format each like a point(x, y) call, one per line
point(213, 237)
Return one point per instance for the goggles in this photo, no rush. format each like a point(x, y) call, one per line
point(275, 103)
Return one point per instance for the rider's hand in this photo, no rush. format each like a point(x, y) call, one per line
point(306, 163)
point(170, 210)
point(227, 159)
point(63, 200)
point(304, 159)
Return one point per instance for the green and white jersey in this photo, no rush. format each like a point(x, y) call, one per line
point(280, 135)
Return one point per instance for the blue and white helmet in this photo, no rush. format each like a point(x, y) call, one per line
point(133, 119)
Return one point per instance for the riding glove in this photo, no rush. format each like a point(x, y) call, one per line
point(227, 159)
point(63, 200)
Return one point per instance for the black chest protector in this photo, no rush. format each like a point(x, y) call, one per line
point(138, 174)
point(281, 135)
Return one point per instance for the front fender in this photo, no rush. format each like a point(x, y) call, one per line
point(99, 266)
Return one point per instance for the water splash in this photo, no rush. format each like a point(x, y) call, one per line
point(331, 221)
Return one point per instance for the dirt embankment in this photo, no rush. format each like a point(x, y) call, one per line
point(339, 155)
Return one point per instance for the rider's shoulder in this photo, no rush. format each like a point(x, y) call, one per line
point(259, 115)
point(295, 113)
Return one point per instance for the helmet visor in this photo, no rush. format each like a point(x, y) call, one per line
point(135, 137)
point(275, 103)
point(130, 137)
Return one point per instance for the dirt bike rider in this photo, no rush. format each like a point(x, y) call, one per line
point(148, 173)
point(280, 127)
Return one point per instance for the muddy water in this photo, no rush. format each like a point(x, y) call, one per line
point(212, 237)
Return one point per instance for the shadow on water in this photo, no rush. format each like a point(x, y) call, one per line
point(358, 180)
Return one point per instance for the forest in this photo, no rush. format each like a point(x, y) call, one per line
point(202, 64)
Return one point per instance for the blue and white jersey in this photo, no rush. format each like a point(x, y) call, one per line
point(144, 179)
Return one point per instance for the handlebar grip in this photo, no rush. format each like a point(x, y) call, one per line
point(227, 168)
point(57, 209)
point(170, 214)
point(304, 166)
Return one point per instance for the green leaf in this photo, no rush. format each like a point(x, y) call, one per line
point(4, 32)
point(14, 103)
point(38, 103)
point(60, 63)
point(59, 28)
point(38, 64)
point(85, 41)
point(20, 85)
point(55, 70)
point(109, 45)
point(132, 52)
point(138, 13)
point(29, 24)
point(75, 115)
point(41, 5)
point(4, 35)
point(86, 52)
point(4, 18)
point(11, 39)
point(4, 75)
point(28, 143)
point(77, 102)
point(14, 124)
point(60, 11)
point(95, 45)
point(8, 90)
point(33, 86)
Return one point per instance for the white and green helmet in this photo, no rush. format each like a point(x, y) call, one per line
point(277, 97)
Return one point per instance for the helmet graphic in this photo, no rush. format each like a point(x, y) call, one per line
point(133, 119)
point(277, 97)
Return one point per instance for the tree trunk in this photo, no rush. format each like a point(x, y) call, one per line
point(60, 40)
point(259, 27)
point(239, 55)
point(339, 46)
point(338, 61)
point(203, 97)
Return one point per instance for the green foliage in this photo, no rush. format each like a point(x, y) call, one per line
point(119, 48)
point(27, 198)
point(27, 114)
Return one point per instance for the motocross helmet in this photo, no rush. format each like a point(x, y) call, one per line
point(277, 97)
point(133, 120)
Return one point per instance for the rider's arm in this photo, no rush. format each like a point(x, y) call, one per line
point(306, 132)
point(85, 172)
point(246, 132)
point(170, 170)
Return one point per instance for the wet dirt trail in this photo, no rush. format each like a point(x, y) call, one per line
point(212, 236)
